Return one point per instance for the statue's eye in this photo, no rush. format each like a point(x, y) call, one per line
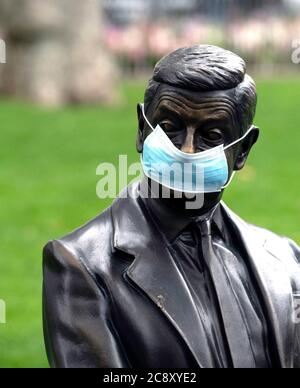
point(168, 126)
point(213, 135)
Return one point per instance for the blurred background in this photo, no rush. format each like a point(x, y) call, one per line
point(73, 74)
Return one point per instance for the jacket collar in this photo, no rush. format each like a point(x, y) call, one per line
point(155, 272)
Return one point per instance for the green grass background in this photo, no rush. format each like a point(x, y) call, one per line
point(47, 188)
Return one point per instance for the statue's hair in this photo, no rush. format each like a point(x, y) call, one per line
point(206, 68)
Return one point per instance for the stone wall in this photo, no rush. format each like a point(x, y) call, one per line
point(55, 53)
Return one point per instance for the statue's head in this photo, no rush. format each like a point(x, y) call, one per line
point(202, 97)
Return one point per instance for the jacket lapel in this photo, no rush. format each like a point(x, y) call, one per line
point(274, 282)
point(156, 274)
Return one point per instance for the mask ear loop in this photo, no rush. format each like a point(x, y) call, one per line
point(231, 144)
point(230, 179)
point(147, 121)
point(239, 139)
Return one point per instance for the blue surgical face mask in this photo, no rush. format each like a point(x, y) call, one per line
point(201, 172)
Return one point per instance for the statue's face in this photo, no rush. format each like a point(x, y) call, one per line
point(196, 121)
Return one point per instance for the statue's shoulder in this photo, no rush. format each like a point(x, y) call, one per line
point(90, 233)
point(278, 245)
point(86, 243)
point(93, 243)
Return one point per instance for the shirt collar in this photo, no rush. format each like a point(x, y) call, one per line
point(171, 221)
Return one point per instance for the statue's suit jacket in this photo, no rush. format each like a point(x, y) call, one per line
point(113, 297)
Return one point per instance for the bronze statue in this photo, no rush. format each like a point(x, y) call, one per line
point(154, 283)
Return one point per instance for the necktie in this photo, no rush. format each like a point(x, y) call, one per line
point(233, 320)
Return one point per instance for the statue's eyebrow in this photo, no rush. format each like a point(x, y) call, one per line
point(168, 110)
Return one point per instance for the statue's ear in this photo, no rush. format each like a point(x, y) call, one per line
point(245, 148)
point(141, 122)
